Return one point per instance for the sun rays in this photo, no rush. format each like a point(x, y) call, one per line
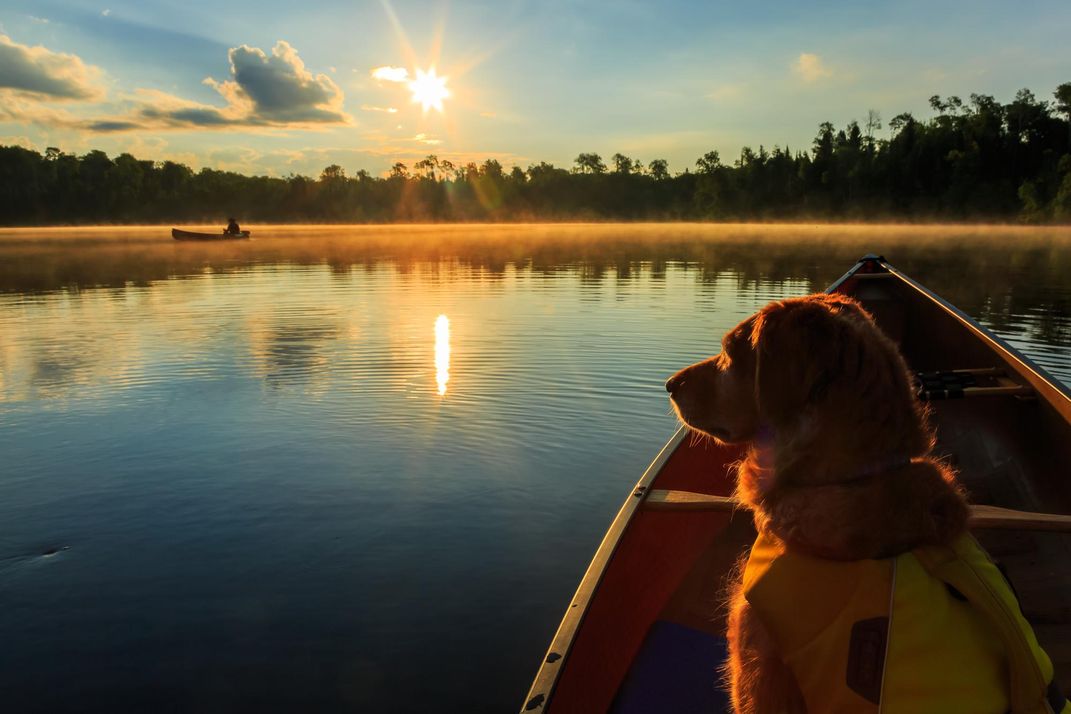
point(428, 87)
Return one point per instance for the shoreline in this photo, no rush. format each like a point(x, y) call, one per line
point(430, 226)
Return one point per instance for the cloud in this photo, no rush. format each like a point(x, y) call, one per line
point(263, 91)
point(23, 141)
point(44, 74)
point(38, 20)
point(27, 109)
point(268, 91)
point(810, 68)
point(369, 108)
point(280, 162)
point(425, 139)
point(390, 74)
point(278, 89)
point(153, 109)
point(105, 12)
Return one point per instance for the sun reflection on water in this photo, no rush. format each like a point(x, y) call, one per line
point(442, 352)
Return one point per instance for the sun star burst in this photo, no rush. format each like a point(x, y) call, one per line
point(429, 89)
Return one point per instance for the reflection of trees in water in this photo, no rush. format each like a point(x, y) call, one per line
point(1010, 289)
point(1054, 322)
point(996, 274)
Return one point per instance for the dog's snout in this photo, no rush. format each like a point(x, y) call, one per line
point(674, 383)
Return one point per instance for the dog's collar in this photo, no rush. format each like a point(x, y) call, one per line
point(881, 466)
point(763, 445)
point(874, 469)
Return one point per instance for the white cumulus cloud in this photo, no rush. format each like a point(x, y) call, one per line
point(263, 91)
point(390, 74)
point(278, 88)
point(44, 74)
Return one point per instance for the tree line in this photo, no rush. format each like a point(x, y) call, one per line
point(972, 160)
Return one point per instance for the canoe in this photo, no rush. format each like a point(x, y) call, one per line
point(178, 234)
point(645, 629)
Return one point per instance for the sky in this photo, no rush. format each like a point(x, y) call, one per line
point(276, 87)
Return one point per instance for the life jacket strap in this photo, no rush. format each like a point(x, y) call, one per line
point(1030, 688)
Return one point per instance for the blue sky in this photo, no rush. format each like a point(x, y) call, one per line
point(277, 87)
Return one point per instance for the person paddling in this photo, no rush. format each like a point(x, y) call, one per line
point(232, 227)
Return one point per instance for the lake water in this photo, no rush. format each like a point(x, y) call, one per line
point(271, 477)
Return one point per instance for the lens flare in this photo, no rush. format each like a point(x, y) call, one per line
point(442, 352)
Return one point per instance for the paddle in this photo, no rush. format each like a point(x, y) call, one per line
point(981, 516)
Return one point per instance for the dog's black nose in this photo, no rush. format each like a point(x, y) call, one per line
point(674, 383)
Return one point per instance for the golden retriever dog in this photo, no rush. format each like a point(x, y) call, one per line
point(839, 459)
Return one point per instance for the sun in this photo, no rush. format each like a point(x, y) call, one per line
point(429, 89)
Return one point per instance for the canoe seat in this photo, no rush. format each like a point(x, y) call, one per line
point(959, 383)
point(981, 516)
point(676, 670)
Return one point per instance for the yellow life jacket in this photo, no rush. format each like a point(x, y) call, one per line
point(937, 630)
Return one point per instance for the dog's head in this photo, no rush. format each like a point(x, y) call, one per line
point(840, 454)
point(814, 369)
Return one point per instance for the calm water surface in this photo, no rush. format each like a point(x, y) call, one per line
point(272, 476)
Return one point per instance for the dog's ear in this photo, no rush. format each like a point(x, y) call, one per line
point(820, 353)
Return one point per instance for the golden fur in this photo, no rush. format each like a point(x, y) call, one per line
point(839, 461)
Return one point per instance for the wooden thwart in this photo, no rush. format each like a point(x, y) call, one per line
point(962, 383)
point(997, 517)
point(981, 516)
point(1006, 390)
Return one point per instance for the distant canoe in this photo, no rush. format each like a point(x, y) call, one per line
point(190, 235)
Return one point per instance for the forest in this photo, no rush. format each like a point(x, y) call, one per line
point(972, 160)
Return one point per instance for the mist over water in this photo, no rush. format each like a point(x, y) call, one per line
point(364, 468)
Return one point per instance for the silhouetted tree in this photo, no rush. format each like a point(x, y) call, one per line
point(334, 172)
point(1063, 104)
point(708, 163)
point(590, 164)
point(429, 165)
point(658, 169)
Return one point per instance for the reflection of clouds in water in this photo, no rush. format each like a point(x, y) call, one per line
point(293, 350)
point(65, 344)
point(57, 367)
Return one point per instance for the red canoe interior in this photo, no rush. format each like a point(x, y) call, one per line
point(665, 570)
